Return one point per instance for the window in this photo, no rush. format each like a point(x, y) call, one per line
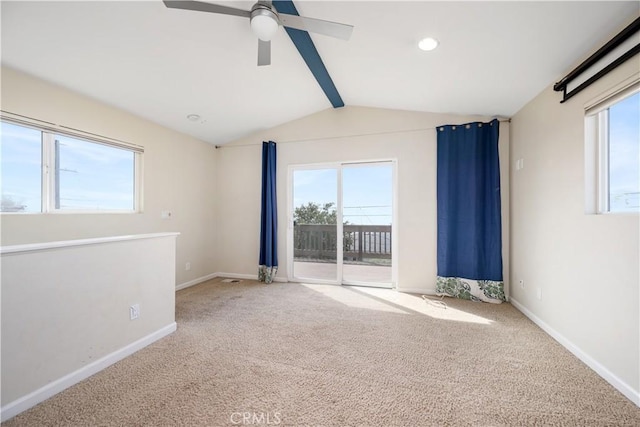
point(615, 122)
point(93, 176)
point(45, 171)
point(624, 155)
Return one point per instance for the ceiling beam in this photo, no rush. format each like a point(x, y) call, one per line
point(309, 53)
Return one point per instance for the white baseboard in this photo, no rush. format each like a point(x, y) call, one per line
point(621, 386)
point(25, 402)
point(196, 281)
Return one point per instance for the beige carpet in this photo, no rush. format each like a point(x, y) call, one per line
point(302, 355)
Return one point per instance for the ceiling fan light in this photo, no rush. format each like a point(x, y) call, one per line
point(264, 26)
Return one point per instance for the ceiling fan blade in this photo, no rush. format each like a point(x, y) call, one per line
point(327, 28)
point(206, 7)
point(264, 53)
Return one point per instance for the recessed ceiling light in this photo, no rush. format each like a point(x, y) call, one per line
point(193, 117)
point(428, 44)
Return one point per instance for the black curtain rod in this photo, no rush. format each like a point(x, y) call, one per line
point(630, 30)
point(629, 54)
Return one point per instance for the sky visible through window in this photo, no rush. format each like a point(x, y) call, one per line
point(367, 191)
point(95, 176)
point(21, 159)
point(624, 155)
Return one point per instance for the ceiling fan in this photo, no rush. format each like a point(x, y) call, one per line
point(265, 19)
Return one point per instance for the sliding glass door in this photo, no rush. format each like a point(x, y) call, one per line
point(341, 223)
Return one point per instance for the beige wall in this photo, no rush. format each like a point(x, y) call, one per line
point(178, 176)
point(346, 134)
point(586, 265)
point(65, 309)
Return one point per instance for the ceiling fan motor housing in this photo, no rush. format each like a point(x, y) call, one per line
point(264, 21)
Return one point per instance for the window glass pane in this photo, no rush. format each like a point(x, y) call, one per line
point(93, 176)
point(315, 229)
point(624, 155)
point(21, 154)
point(367, 204)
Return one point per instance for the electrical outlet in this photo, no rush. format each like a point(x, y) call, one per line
point(134, 311)
point(539, 293)
point(165, 215)
point(187, 266)
point(521, 282)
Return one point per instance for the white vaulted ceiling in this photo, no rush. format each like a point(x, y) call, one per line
point(164, 64)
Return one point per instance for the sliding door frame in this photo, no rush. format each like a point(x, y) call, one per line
point(338, 166)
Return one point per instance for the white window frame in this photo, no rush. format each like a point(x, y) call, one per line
point(597, 147)
point(48, 183)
